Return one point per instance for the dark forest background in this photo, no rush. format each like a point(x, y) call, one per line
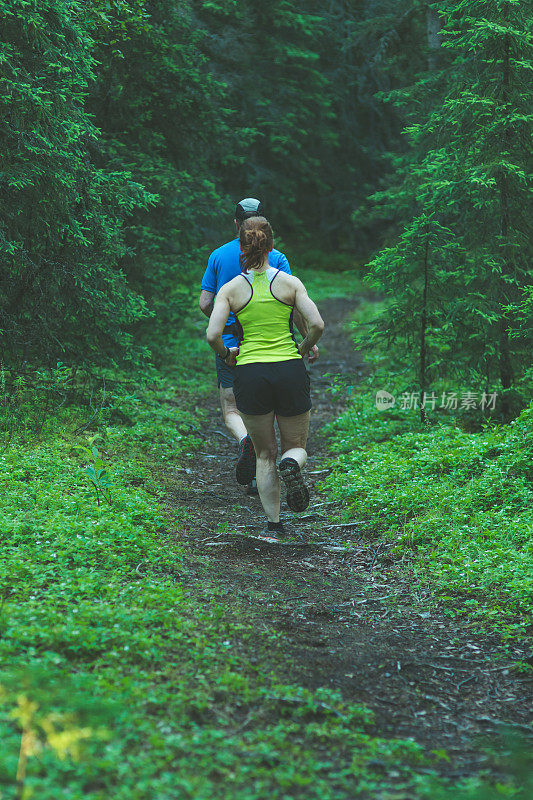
point(389, 136)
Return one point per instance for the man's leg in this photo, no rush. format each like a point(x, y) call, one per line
point(232, 418)
point(245, 467)
point(261, 429)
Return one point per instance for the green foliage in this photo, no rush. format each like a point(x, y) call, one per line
point(125, 674)
point(300, 81)
point(130, 129)
point(121, 677)
point(321, 284)
point(268, 57)
point(462, 501)
point(456, 274)
point(97, 471)
point(512, 758)
point(137, 126)
point(369, 49)
point(160, 115)
point(63, 294)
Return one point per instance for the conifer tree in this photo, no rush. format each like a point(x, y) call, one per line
point(159, 112)
point(370, 49)
point(467, 241)
point(268, 57)
point(62, 293)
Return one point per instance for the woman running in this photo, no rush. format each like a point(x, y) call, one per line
point(271, 381)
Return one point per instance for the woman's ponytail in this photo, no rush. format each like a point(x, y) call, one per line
point(256, 240)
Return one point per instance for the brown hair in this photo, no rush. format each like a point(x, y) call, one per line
point(257, 240)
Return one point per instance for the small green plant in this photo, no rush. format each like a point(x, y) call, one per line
point(97, 471)
point(339, 384)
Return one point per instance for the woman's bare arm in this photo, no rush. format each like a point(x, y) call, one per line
point(311, 315)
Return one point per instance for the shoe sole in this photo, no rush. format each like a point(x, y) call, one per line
point(297, 491)
point(245, 469)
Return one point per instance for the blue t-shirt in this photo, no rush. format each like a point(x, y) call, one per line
point(224, 265)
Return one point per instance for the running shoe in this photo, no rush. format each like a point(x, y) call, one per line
point(251, 489)
point(297, 491)
point(276, 529)
point(265, 537)
point(273, 533)
point(245, 470)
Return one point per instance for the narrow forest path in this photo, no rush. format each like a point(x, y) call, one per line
point(348, 618)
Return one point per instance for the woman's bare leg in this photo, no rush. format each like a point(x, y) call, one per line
point(294, 432)
point(261, 429)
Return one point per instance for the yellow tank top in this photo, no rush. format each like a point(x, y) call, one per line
point(265, 323)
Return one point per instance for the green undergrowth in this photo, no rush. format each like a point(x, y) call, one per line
point(125, 672)
point(121, 678)
point(459, 504)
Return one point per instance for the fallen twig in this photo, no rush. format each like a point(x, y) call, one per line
point(343, 525)
point(215, 544)
point(433, 666)
point(210, 538)
point(493, 721)
point(437, 702)
point(466, 680)
point(225, 435)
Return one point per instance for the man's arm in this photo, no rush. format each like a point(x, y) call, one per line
point(206, 302)
point(208, 286)
point(217, 322)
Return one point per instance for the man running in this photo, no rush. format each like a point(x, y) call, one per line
point(224, 265)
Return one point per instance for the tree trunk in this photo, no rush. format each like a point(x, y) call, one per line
point(423, 326)
point(506, 371)
point(433, 27)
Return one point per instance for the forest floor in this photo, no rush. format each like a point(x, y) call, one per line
point(341, 606)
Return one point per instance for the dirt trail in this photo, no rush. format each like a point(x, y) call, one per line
point(350, 619)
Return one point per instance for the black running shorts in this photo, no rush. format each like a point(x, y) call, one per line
point(225, 374)
point(280, 386)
